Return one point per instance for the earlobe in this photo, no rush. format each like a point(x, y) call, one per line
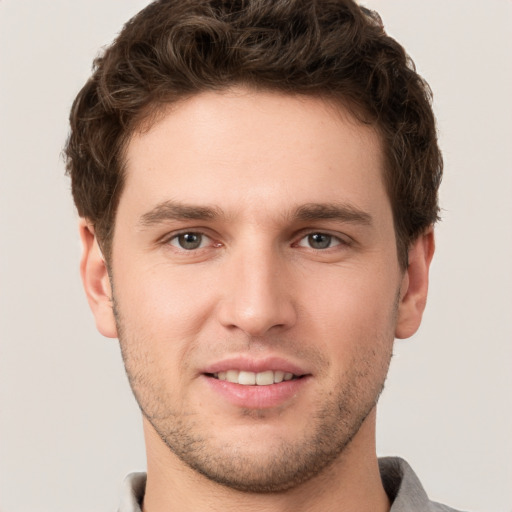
point(96, 282)
point(413, 297)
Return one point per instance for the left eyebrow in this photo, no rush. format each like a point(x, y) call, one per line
point(332, 211)
point(172, 210)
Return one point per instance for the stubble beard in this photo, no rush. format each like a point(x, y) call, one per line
point(290, 462)
point(287, 465)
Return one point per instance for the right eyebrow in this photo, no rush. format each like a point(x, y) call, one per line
point(333, 211)
point(172, 210)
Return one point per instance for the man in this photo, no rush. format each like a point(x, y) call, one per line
point(257, 185)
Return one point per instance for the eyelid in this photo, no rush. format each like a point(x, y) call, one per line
point(205, 240)
point(343, 239)
point(167, 237)
point(333, 242)
point(208, 240)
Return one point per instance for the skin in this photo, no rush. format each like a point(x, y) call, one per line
point(296, 262)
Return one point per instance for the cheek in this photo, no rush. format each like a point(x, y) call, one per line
point(164, 302)
point(351, 310)
point(159, 316)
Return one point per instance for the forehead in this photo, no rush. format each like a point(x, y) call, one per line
point(243, 148)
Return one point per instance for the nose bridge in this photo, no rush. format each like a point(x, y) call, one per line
point(259, 297)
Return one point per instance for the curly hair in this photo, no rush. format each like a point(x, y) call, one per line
point(335, 49)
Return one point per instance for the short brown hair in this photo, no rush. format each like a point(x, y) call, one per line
point(333, 48)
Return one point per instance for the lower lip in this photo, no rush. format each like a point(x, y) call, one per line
point(257, 397)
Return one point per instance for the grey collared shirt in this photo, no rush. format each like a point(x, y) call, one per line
point(401, 484)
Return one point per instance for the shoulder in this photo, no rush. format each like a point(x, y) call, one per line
point(438, 507)
point(132, 494)
point(404, 488)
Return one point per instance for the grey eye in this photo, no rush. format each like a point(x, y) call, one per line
point(188, 241)
point(319, 240)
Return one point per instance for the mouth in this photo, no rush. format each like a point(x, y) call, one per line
point(257, 383)
point(247, 378)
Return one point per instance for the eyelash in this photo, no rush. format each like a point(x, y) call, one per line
point(338, 241)
point(176, 237)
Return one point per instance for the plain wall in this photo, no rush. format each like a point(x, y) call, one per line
point(69, 427)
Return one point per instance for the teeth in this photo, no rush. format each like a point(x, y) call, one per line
point(278, 376)
point(232, 376)
point(264, 378)
point(247, 378)
point(251, 378)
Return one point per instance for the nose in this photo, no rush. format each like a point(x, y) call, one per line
point(258, 294)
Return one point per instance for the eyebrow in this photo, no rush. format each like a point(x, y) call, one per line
point(333, 211)
point(172, 210)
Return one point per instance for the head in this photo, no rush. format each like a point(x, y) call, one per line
point(261, 177)
point(173, 50)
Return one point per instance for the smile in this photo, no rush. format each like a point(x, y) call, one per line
point(256, 384)
point(247, 378)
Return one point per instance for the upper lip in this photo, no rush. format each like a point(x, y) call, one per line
point(251, 364)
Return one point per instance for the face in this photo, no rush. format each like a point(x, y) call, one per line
point(256, 284)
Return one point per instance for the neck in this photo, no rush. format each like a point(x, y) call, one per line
point(352, 482)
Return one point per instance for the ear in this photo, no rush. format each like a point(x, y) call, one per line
point(413, 295)
point(96, 282)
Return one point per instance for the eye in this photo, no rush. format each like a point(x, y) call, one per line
point(319, 241)
point(189, 241)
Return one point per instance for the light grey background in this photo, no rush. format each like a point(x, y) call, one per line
point(69, 427)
